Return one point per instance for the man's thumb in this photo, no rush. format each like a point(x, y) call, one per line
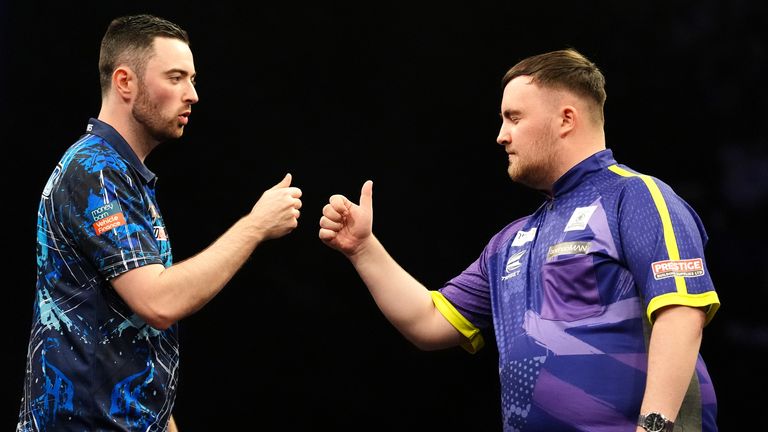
point(366, 195)
point(284, 183)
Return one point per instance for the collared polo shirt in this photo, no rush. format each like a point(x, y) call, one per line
point(92, 363)
point(570, 292)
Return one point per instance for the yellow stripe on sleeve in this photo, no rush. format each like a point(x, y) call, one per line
point(681, 297)
point(474, 340)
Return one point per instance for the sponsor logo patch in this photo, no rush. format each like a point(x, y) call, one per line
point(673, 268)
point(513, 265)
point(107, 217)
point(54, 177)
point(523, 237)
point(579, 218)
point(160, 233)
point(568, 248)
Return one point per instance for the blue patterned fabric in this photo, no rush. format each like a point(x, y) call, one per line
point(92, 364)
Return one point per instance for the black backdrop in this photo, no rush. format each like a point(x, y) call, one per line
point(407, 96)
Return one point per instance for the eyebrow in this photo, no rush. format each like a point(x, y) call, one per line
point(179, 71)
point(509, 113)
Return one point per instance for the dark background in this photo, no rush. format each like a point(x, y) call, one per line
point(409, 97)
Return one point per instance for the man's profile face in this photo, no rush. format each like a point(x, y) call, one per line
point(166, 92)
point(527, 132)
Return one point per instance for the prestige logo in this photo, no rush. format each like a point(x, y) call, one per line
point(107, 217)
point(677, 268)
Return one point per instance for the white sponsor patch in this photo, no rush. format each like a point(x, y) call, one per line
point(524, 237)
point(673, 268)
point(579, 218)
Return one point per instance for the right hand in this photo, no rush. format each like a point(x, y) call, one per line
point(277, 211)
point(345, 225)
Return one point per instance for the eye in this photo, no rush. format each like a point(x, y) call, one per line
point(174, 78)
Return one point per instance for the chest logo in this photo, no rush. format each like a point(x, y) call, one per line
point(524, 237)
point(513, 265)
point(568, 248)
point(579, 218)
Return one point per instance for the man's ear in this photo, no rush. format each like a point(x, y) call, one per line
point(124, 83)
point(568, 117)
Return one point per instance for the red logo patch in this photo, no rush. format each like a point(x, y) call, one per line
point(673, 268)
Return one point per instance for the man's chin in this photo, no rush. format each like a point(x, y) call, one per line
point(177, 132)
point(513, 174)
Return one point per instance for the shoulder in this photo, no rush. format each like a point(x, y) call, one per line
point(92, 154)
point(635, 185)
point(89, 164)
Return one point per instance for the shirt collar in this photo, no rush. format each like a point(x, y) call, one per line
point(574, 176)
point(117, 142)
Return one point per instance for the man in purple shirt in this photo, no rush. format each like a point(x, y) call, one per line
point(597, 300)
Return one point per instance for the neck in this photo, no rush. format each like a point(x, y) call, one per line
point(573, 150)
point(133, 133)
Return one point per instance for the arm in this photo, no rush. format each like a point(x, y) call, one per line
point(405, 302)
point(674, 347)
point(172, 425)
point(162, 296)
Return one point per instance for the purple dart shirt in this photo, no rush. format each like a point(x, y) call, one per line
point(569, 291)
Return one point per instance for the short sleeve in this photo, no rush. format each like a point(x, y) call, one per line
point(663, 245)
point(469, 293)
point(108, 217)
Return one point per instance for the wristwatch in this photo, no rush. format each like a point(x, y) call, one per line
point(655, 422)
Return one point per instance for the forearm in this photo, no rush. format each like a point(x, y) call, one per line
point(674, 347)
point(404, 301)
point(187, 286)
point(161, 296)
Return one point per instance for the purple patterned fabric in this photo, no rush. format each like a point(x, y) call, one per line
point(566, 291)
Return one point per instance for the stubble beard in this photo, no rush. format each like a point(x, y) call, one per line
point(536, 170)
point(148, 114)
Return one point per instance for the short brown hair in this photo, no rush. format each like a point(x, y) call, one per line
point(129, 40)
point(563, 70)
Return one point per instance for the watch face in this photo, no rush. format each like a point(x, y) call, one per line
point(654, 422)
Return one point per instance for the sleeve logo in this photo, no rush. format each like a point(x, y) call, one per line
point(107, 217)
point(677, 268)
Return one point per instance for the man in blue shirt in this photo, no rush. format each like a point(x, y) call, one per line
point(597, 300)
point(103, 351)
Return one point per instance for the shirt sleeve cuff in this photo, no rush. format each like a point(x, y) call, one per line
point(474, 339)
point(708, 300)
